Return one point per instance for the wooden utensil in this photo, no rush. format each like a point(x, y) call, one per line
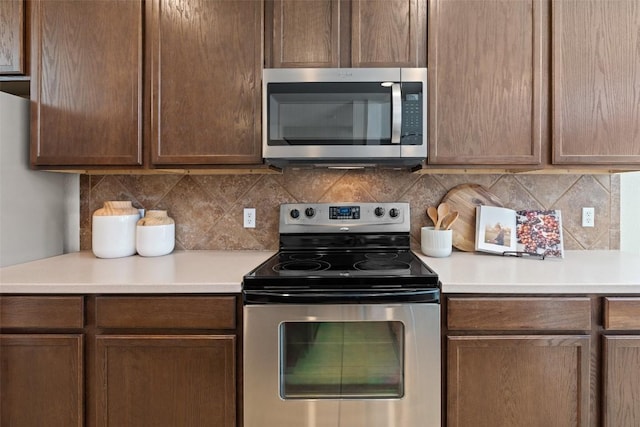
point(443, 210)
point(432, 212)
point(449, 219)
point(464, 198)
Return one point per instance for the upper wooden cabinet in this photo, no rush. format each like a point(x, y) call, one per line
point(205, 67)
point(485, 82)
point(347, 33)
point(596, 76)
point(194, 100)
point(86, 84)
point(306, 33)
point(12, 37)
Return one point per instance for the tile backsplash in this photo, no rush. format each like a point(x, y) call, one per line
point(208, 209)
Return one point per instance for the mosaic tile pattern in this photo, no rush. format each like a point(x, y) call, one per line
point(208, 209)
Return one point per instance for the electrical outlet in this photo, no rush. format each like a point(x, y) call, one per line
point(249, 218)
point(588, 217)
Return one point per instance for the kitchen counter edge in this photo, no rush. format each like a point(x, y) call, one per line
point(579, 272)
point(193, 272)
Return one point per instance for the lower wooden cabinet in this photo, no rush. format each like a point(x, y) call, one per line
point(172, 380)
point(621, 361)
point(120, 361)
point(518, 361)
point(42, 361)
point(621, 381)
point(166, 361)
point(518, 381)
point(41, 380)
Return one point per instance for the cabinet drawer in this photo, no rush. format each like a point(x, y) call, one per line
point(41, 312)
point(519, 313)
point(197, 312)
point(622, 313)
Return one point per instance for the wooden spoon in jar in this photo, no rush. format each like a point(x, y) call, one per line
point(443, 210)
point(449, 219)
point(433, 214)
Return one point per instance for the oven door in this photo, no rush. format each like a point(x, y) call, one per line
point(355, 365)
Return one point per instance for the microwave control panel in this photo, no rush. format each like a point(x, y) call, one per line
point(412, 113)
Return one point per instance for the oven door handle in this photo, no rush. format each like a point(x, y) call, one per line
point(341, 297)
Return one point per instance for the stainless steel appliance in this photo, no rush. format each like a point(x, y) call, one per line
point(342, 325)
point(345, 117)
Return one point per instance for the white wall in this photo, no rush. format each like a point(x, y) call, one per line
point(630, 212)
point(39, 211)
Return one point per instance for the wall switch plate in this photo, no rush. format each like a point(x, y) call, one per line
point(588, 217)
point(249, 218)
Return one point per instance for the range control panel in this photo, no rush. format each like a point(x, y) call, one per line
point(334, 217)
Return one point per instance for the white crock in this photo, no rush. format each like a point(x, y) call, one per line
point(113, 230)
point(155, 234)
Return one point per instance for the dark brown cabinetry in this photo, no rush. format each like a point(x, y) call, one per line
point(184, 77)
point(534, 360)
point(137, 361)
point(165, 361)
point(621, 347)
point(596, 66)
point(305, 34)
point(41, 361)
point(486, 82)
point(347, 33)
point(205, 63)
point(534, 82)
point(12, 37)
point(518, 361)
point(86, 84)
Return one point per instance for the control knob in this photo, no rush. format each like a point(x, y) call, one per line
point(295, 213)
point(394, 213)
point(309, 212)
point(379, 211)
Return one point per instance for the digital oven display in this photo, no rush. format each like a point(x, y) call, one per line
point(344, 212)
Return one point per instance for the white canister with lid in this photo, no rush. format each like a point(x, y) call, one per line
point(155, 234)
point(113, 230)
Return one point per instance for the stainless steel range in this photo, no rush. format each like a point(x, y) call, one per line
point(342, 325)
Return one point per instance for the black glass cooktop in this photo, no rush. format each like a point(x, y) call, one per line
point(339, 269)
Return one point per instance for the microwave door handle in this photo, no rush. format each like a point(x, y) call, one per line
point(396, 113)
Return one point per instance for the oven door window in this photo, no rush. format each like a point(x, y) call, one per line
point(329, 114)
point(327, 360)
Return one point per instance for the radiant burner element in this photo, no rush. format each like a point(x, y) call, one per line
point(302, 265)
point(373, 265)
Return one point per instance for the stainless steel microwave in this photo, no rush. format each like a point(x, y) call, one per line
point(345, 117)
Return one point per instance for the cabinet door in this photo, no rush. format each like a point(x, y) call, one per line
point(518, 381)
point(388, 33)
point(621, 381)
point(205, 71)
point(86, 84)
point(306, 33)
point(12, 37)
point(596, 73)
point(41, 379)
point(485, 82)
point(179, 380)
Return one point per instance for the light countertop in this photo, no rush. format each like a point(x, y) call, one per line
point(580, 272)
point(178, 272)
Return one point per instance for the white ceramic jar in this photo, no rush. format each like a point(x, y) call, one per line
point(113, 230)
point(155, 234)
point(436, 243)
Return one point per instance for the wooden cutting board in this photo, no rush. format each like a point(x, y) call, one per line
point(464, 198)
